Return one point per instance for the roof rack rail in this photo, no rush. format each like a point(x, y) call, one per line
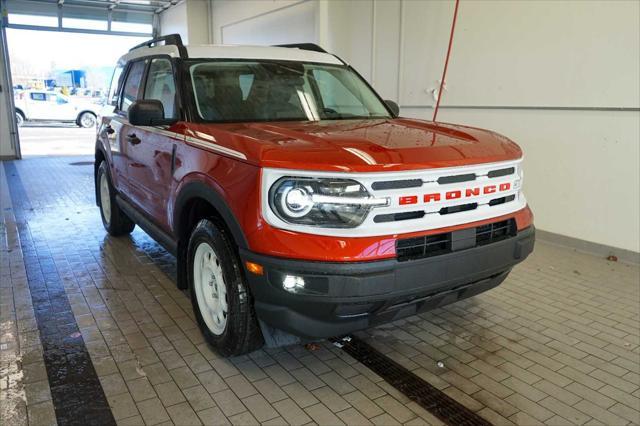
point(169, 40)
point(304, 46)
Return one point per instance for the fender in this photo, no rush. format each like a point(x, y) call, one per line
point(200, 189)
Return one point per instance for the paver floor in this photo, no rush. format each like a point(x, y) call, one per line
point(557, 343)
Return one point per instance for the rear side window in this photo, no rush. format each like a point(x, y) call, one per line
point(38, 97)
point(161, 86)
point(115, 86)
point(132, 85)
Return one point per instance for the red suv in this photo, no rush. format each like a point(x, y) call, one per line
point(295, 199)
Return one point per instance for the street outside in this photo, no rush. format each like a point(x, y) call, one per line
point(56, 139)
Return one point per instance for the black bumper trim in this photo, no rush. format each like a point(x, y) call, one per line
point(343, 297)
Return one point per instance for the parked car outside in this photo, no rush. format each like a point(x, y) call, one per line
point(297, 201)
point(41, 105)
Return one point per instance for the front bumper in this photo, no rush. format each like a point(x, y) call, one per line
point(340, 298)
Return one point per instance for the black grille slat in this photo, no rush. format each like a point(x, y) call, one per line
point(395, 217)
point(501, 172)
point(502, 200)
point(434, 245)
point(458, 209)
point(397, 184)
point(456, 178)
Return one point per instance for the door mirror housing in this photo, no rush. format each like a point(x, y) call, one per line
point(395, 109)
point(148, 112)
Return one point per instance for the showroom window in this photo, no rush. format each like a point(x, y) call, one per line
point(161, 86)
point(132, 85)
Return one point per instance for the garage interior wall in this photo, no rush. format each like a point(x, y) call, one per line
point(190, 19)
point(558, 77)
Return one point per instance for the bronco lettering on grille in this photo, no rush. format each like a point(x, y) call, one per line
point(455, 194)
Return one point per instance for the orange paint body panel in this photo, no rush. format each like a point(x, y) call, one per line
point(388, 145)
point(360, 145)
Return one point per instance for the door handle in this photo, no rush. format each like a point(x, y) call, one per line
point(133, 139)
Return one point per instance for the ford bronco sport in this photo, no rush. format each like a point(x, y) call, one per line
point(295, 199)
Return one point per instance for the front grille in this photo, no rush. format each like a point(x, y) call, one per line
point(435, 245)
point(494, 232)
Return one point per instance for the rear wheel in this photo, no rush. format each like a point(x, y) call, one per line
point(221, 300)
point(19, 119)
point(114, 220)
point(87, 119)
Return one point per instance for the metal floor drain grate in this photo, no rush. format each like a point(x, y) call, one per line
point(428, 397)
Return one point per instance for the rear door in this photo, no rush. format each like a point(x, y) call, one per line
point(151, 156)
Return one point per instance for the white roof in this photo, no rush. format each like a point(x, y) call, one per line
point(236, 52)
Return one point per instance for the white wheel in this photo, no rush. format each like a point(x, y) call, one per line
point(210, 288)
point(105, 198)
point(19, 119)
point(87, 120)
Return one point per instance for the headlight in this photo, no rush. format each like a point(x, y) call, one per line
point(330, 203)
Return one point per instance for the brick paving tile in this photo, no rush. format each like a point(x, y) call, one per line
point(212, 417)
point(260, 408)
point(183, 414)
point(322, 415)
point(291, 413)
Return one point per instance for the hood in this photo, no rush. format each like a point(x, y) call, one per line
point(358, 145)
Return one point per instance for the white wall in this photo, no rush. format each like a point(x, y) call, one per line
point(577, 59)
point(190, 19)
point(264, 22)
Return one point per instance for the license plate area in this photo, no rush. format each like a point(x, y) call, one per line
point(463, 239)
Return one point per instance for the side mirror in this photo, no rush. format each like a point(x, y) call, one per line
point(148, 112)
point(395, 109)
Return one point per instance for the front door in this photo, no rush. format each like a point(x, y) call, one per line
point(150, 149)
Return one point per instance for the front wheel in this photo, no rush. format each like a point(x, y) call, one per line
point(114, 220)
point(87, 119)
point(221, 300)
point(19, 119)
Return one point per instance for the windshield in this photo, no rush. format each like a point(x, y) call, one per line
point(231, 91)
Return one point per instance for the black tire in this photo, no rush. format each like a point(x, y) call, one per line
point(117, 223)
point(19, 118)
point(87, 120)
point(241, 333)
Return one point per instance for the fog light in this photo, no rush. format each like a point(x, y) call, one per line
point(293, 283)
